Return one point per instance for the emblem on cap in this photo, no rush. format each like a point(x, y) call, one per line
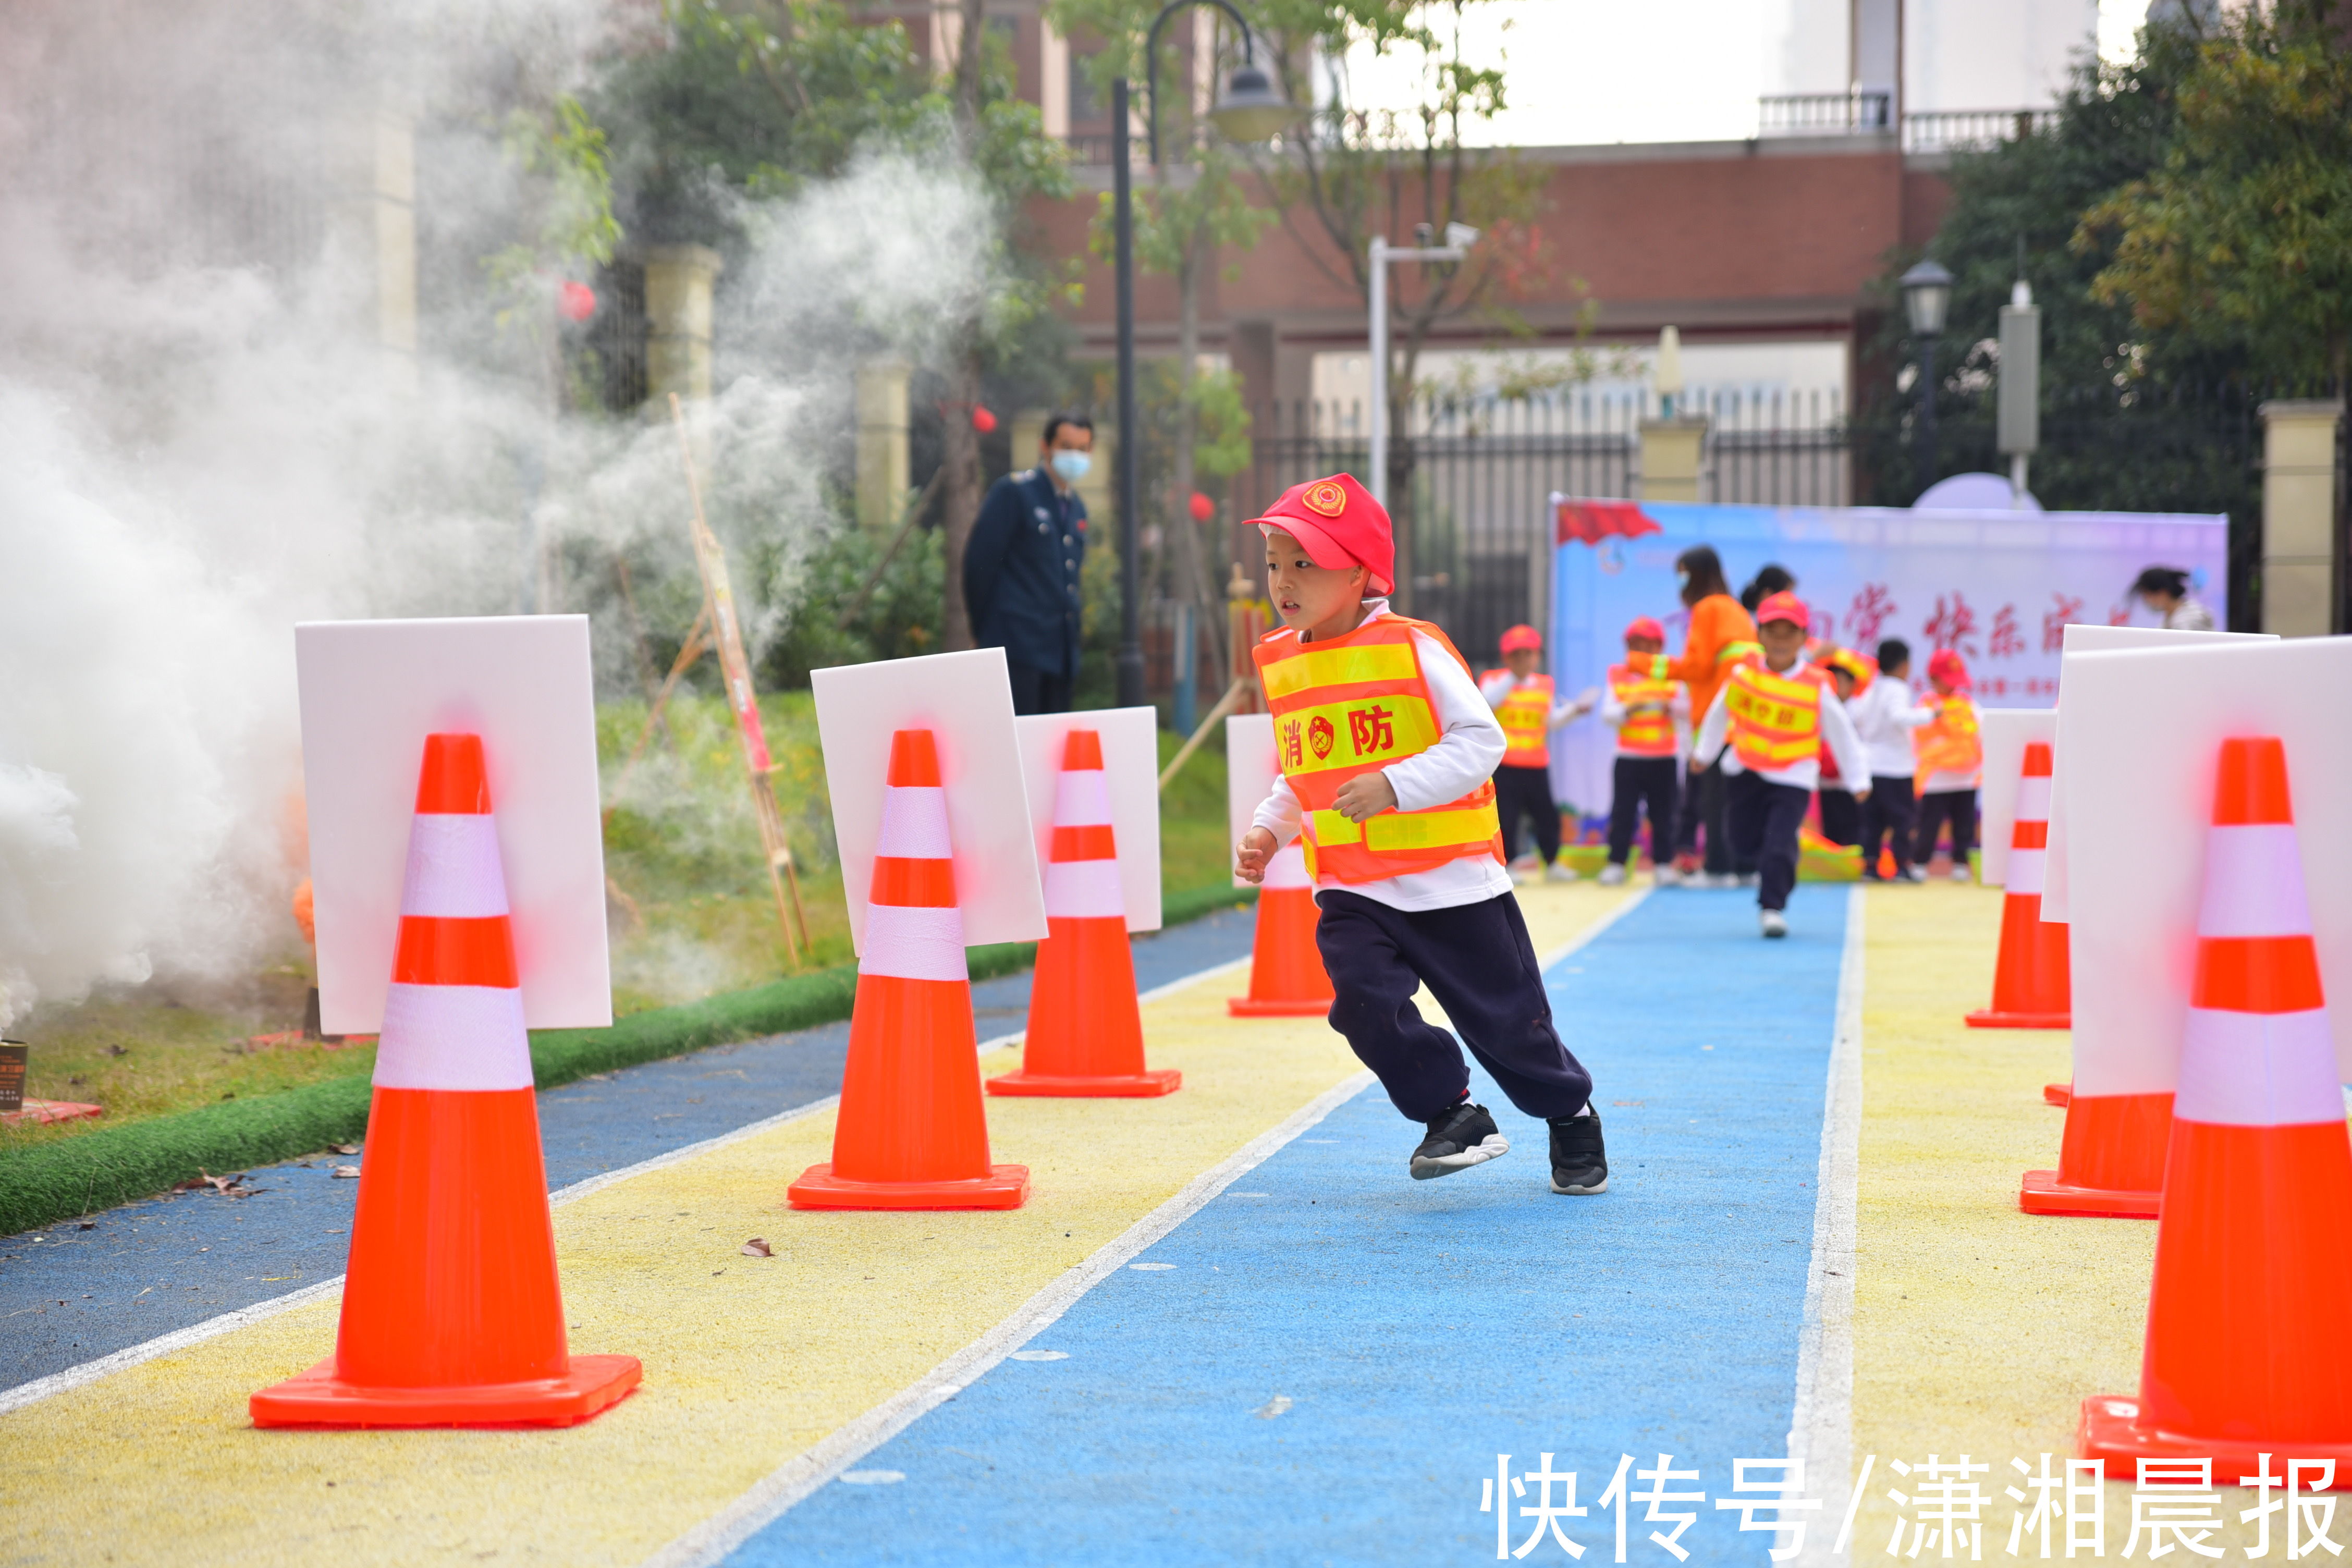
point(1326, 496)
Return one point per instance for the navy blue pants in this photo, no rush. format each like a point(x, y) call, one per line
point(1765, 818)
point(1480, 966)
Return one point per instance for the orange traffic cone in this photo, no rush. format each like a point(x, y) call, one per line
point(1286, 974)
point(1086, 1032)
point(2250, 1307)
point(452, 1315)
point(911, 1132)
point(2030, 987)
point(2058, 1094)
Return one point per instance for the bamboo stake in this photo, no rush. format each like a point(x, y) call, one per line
point(718, 606)
point(1233, 694)
point(688, 652)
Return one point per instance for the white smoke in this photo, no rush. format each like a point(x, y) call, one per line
point(196, 454)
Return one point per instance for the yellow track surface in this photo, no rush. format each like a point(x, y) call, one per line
point(748, 1360)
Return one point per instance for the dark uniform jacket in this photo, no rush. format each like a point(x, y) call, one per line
point(1021, 572)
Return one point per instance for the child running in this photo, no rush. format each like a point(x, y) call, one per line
point(1642, 707)
point(1950, 757)
point(1769, 727)
point(1523, 702)
point(1386, 751)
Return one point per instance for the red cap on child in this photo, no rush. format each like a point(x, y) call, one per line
point(1521, 637)
point(1784, 606)
point(1946, 665)
point(1340, 524)
point(1643, 627)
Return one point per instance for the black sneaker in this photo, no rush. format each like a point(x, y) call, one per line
point(1580, 1165)
point(1463, 1137)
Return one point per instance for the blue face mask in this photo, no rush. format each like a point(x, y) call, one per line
point(1072, 465)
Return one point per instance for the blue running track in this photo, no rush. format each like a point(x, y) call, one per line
point(1323, 1364)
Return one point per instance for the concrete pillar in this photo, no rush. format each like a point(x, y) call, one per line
point(679, 280)
point(882, 477)
point(371, 226)
point(2299, 517)
point(1671, 451)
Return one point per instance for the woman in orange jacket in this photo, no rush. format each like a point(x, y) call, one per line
point(1721, 634)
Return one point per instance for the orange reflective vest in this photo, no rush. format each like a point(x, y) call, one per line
point(1774, 722)
point(1649, 727)
point(1949, 742)
point(1526, 716)
point(1348, 706)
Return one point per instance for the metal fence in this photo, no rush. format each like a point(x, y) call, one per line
point(1483, 470)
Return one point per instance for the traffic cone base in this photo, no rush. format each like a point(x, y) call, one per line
point(1005, 1187)
point(2111, 1429)
point(2058, 1094)
point(2110, 1161)
point(320, 1397)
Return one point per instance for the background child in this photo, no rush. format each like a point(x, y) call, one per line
point(1768, 728)
point(1720, 634)
point(1949, 755)
point(1840, 812)
point(1642, 708)
point(1385, 748)
point(1522, 700)
point(1885, 716)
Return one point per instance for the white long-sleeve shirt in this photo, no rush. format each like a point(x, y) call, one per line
point(1805, 773)
point(1884, 717)
point(1469, 747)
point(1500, 685)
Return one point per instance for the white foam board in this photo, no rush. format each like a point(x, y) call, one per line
point(2143, 729)
point(1250, 771)
point(370, 693)
point(1131, 748)
point(966, 701)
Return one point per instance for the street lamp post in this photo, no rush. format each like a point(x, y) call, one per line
point(1248, 110)
point(1459, 238)
point(1927, 298)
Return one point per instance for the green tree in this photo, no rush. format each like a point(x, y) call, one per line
point(1406, 175)
point(2241, 235)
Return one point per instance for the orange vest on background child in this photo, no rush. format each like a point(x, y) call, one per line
point(1774, 722)
point(1526, 718)
point(1348, 706)
point(1649, 727)
point(1948, 744)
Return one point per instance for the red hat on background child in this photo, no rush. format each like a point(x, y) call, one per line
point(1340, 524)
point(1784, 606)
point(1643, 627)
point(1946, 665)
point(1521, 637)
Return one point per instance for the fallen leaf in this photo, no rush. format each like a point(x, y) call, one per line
point(118, 1051)
point(757, 1247)
point(346, 1173)
point(87, 1224)
point(342, 1148)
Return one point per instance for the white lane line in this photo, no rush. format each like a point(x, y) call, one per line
point(89, 1372)
point(711, 1541)
point(1821, 1430)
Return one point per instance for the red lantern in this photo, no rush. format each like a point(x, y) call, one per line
point(1203, 509)
point(981, 419)
point(576, 300)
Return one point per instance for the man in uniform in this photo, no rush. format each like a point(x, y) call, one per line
point(1020, 567)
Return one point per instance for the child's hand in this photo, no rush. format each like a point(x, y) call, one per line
point(1365, 795)
point(1861, 795)
point(1250, 855)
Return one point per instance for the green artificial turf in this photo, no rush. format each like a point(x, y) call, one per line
point(44, 1183)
